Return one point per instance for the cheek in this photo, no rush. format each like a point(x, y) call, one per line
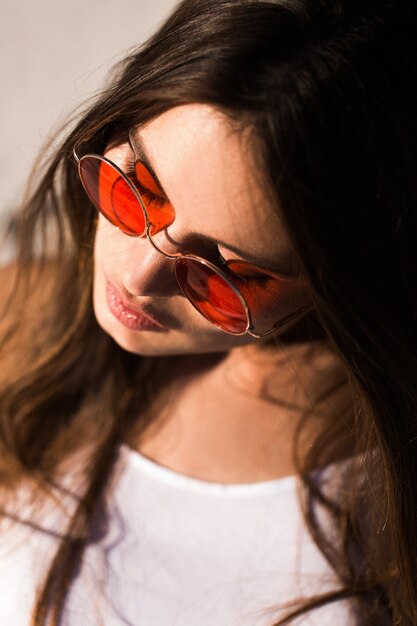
point(104, 241)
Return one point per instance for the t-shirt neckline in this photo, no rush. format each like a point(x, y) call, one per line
point(173, 478)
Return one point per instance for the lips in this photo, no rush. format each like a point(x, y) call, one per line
point(130, 315)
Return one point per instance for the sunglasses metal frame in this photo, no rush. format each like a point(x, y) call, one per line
point(148, 225)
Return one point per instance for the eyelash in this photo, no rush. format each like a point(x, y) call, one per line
point(159, 201)
point(250, 282)
point(247, 282)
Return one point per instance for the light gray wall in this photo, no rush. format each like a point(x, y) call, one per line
point(54, 54)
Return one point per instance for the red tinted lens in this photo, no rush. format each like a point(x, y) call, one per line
point(211, 295)
point(160, 211)
point(269, 298)
point(112, 195)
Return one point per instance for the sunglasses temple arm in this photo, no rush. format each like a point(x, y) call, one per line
point(75, 155)
point(281, 322)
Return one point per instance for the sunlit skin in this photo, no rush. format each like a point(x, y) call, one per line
point(209, 178)
point(216, 426)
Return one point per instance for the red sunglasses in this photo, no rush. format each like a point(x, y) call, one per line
point(231, 297)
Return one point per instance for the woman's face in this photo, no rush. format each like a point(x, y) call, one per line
point(206, 172)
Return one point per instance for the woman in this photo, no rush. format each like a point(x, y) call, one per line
point(225, 318)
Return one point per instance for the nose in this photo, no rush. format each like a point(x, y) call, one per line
point(145, 271)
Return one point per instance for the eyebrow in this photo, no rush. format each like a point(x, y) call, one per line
point(139, 150)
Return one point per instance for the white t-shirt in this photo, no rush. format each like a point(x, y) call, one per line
point(180, 551)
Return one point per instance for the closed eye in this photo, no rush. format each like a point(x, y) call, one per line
point(243, 272)
point(147, 194)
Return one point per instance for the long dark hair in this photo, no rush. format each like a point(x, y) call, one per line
point(328, 90)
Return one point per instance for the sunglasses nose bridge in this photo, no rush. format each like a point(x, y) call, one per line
point(160, 248)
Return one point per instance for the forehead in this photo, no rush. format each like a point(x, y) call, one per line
point(207, 170)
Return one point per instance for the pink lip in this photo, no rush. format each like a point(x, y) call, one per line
point(131, 317)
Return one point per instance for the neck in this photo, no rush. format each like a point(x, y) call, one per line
point(233, 417)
